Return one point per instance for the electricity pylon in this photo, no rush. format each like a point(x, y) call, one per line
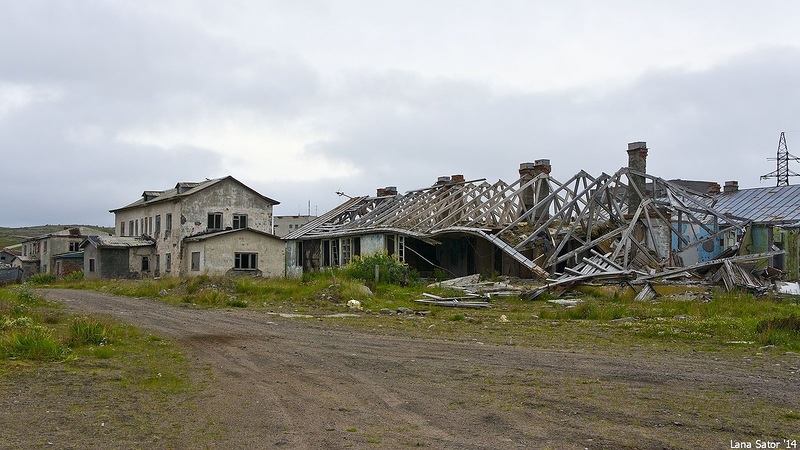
point(782, 173)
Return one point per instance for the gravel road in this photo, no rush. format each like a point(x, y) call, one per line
point(314, 383)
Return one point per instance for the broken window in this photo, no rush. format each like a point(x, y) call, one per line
point(195, 261)
point(158, 223)
point(91, 264)
point(122, 229)
point(130, 228)
point(390, 244)
point(145, 263)
point(299, 252)
point(347, 245)
point(326, 253)
point(74, 246)
point(168, 221)
point(214, 221)
point(168, 262)
point(245, 261)
point(158, 264)
point(335, 252)
point(401, 248)
point(239, 221)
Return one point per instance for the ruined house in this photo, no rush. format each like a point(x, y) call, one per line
point(47, 253)
point(214, 227)
point(626, 225)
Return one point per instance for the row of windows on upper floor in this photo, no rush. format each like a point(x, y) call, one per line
point(33, 249)
point(152, 225)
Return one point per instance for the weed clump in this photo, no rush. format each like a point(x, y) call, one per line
point(390, 269)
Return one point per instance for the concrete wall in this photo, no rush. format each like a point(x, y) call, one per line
point(217, 254)
point(109, 263)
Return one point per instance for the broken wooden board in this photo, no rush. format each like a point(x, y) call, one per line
point(455, 303)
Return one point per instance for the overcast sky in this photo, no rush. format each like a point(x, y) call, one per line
point(101, 100)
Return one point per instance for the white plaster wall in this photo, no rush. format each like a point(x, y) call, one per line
point(217, 253)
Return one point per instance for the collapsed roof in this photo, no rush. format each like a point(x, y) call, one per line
point(609, 223)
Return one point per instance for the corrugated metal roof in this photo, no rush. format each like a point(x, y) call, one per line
point(776, 205)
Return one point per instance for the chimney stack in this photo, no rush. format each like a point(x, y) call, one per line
point(731, 186)
point(441, 181)
point(457, 179)
point(713, 189)
point(387, 191)
point(532, 195)
point(637, 161)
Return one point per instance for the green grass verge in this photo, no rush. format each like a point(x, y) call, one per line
point(697, 317)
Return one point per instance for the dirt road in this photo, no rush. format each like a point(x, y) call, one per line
point(300, 383)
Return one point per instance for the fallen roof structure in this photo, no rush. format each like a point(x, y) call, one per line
point(583, 229)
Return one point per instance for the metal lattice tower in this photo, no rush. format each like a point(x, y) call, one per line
point(782, 173)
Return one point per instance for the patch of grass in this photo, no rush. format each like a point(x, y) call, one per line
point(32, 343)
point(87, 331)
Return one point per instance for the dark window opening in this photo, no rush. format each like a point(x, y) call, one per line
point(215, 221)
point(195, 261)
point(239, 221)
point(245, 261)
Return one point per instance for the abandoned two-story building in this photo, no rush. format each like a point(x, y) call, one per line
point(216, 227)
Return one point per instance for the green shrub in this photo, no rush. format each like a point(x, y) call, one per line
point(42, 278)
point(73, 276)
point(390, 269)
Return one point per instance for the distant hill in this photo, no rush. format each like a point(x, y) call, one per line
point(13, 236)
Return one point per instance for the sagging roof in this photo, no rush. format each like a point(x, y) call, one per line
point(185, 189)
point(769, 205)
point(117, 241)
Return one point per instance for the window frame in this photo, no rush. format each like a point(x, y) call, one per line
point(245, 261)
point(195, 265)
point(216, 217)
point(237, 221)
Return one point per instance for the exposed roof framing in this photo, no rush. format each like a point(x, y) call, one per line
point(560, 222)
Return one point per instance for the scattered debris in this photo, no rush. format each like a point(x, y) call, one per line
point(472, 284)
point(469, 301)
point(566, 302)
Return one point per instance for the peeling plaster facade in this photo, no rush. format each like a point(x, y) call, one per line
point(190, 211)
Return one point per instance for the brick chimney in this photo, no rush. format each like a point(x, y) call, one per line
point(530, 196)
point(457, 179)
point(387, 191)
point(731, 186)
point(713, 189)
point(637, 160)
